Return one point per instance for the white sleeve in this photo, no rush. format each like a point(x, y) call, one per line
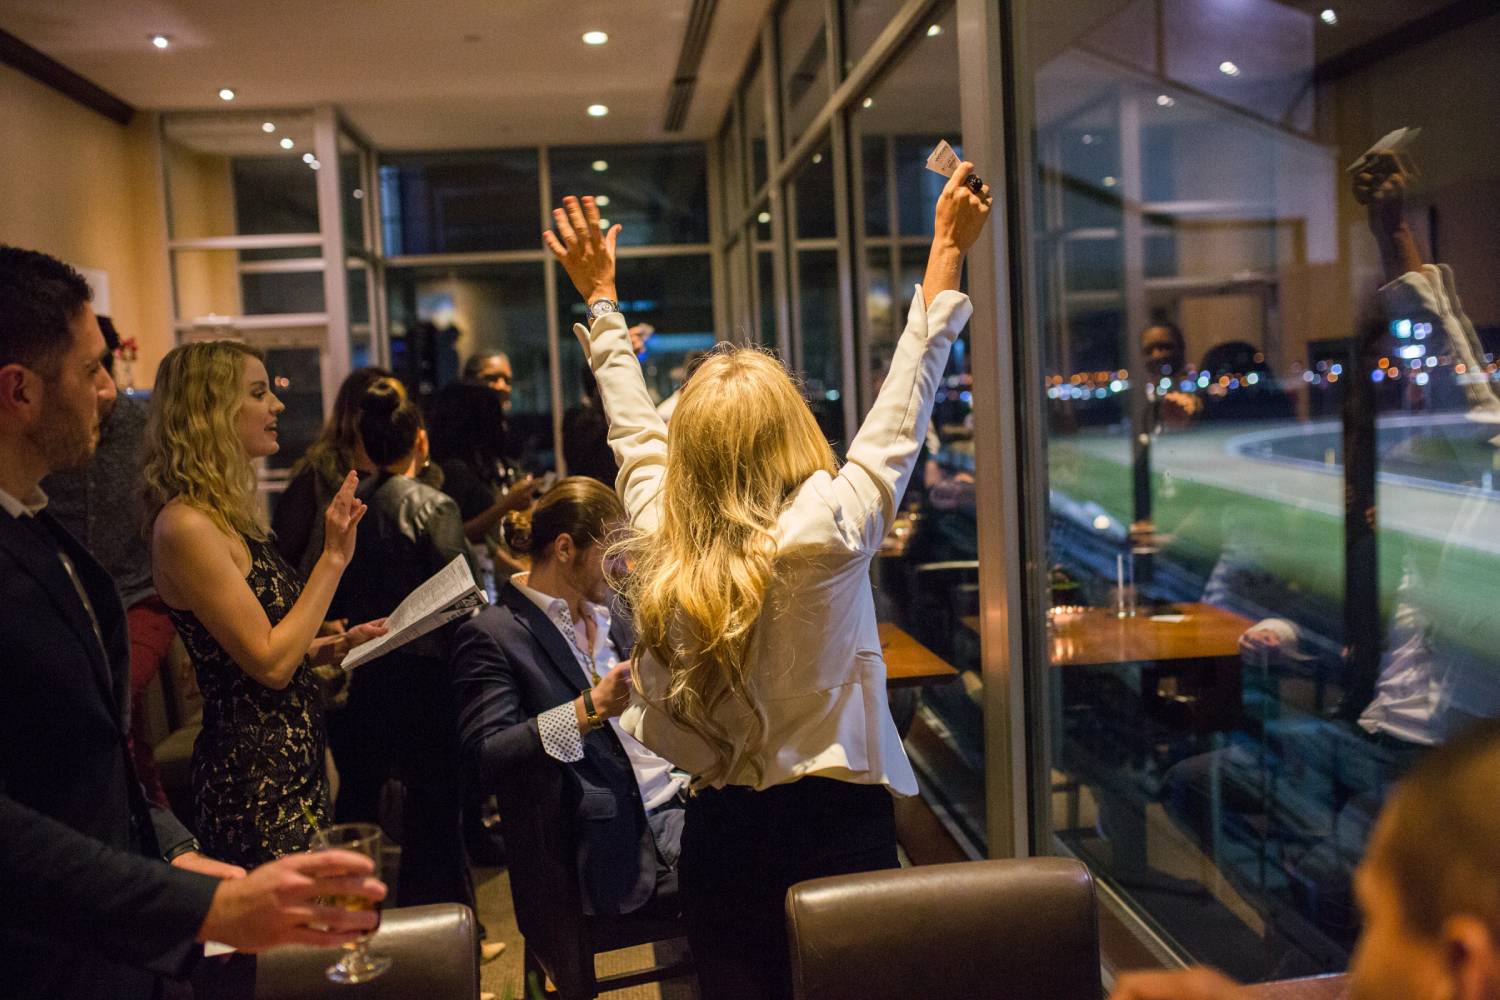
point(1430, 296)
point(637, 435)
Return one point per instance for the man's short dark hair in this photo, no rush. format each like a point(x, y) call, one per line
point(40, 296)
point(1441, 842)
point(476, 361)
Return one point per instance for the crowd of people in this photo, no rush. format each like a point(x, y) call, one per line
point(691, 645)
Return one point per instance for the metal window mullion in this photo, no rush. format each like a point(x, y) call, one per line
point(842, 228)
point(336, 360)
point(549, 278)
point(1003, 618)
point(862, 270)
point(717, 269)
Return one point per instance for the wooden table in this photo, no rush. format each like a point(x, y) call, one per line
point(1315, 988)
point(1094, 636)
point(908, 663)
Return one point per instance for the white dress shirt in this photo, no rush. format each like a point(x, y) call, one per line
point(815, 652)
point(562, 739)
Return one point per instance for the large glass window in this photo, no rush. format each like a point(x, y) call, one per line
point(1268, 485)
point(753, 100)
point(658, 193)
point(459, 202)
point(802, 30)
point(441, 315)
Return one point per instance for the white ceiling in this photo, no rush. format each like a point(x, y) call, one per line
point(410, 74)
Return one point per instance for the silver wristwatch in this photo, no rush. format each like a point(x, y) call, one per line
point(601, 307)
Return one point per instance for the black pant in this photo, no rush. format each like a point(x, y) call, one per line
point(742, 850)
point(398, 726)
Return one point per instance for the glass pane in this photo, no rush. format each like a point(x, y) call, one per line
point(1270, 454)
point(228, 283)
point(814, 193)
point(460, 202)
point(228, 176)
point(351, 185)
point(765, 284)
point(803, 33)
point(298, 384)
point(754, 102)
point(822, 366)
point(732, 157)
point(659, 193)
point(864, 20)
point(441, 316)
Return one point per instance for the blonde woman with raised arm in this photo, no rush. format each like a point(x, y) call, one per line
point(249, 621)
point(758, 663)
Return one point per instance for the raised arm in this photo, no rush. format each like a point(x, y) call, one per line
point(884, 452)
point(637, 434)
point(195, 569)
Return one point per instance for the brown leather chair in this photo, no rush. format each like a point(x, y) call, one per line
point(433, 950)
point(1003, 930)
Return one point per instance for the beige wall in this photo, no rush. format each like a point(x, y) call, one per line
point(80, 187)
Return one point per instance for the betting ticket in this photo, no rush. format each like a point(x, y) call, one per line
point(1396, 143)
point(945, 161)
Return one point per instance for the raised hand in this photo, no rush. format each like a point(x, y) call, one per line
point(961, 213)
point(585, 252)
point(341, 521)
point(1381, 187)
point(612, 694)
point(278, 903)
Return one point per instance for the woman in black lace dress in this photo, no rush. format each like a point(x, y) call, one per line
point(249, 622)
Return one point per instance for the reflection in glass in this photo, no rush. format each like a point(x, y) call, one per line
point(441, 316)
point(814, 197)
point(754, 103)
point(226, 176)
point(658, 193)
point(456, 202)
point(803, 33)
point(821, 366)
point(1296, 470)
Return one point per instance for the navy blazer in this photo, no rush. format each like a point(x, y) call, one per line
point(87, 906)
point(510, 663)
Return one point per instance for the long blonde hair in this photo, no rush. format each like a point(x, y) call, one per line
point(742, 442)
point(193, 449)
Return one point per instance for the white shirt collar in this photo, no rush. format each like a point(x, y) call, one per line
point(550, 604)
point(30, 507)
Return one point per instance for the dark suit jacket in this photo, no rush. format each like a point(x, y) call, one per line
point(510, 664)
point(87, 906)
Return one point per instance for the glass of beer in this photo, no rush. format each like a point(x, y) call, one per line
point(358, 964)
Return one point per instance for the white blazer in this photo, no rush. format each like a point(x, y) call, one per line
point(818, 668)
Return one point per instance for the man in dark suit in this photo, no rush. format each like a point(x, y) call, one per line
point(519, 668)
point(89, 905)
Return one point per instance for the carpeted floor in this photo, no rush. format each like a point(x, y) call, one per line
point(504, 974)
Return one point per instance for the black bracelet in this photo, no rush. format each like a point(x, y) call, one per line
point(186, 847)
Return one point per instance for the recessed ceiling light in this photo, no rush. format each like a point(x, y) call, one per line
point(600, 166)
point(1166, 101)
point(869, 102)
point(268, 127)
point(1329, 17)
point(1228, 68)
point(315, 165)
point(763, 217)
point(308, 157)
point(602, 200)
point(597, 111)
point(1110, 182)
point(161, 41)
point(817, 157)
point(226, 94)
point(594, 38)
point(287, 143)
point(934, 31)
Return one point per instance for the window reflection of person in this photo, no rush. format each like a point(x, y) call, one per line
point(1434, 679)
point(1164, 356)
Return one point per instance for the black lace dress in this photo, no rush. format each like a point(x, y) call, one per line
point(258, 765)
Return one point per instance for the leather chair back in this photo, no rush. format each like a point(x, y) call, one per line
point(1022, 929)
point(433, 950)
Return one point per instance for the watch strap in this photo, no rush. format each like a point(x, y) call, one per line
point(590, 713)
point(602, 307)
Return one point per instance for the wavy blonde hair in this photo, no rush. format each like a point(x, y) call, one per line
point(742, 442)
point(193, 451)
